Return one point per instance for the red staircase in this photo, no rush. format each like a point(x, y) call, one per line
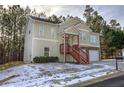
point(77, 53)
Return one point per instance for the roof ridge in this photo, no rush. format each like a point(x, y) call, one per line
point(41, 19)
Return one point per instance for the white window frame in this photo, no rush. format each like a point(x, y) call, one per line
point(82, 35)
point(41, 29)
point(93, 39)
point(53, 34)
point(48, 51)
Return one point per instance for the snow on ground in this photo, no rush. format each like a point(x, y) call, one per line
point(52, 74)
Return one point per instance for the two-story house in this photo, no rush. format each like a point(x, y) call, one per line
point(71, 40)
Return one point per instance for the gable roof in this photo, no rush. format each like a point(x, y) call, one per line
point(70, 22)
point(83, 26)
point(71, 30)
point(41, 19)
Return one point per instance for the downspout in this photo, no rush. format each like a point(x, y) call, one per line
point(64, 49)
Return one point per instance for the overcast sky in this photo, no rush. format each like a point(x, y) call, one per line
point(108, 12)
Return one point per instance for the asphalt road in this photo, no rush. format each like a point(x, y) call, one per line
point(114, 82)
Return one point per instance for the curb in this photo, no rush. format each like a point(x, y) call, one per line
point(96, 80)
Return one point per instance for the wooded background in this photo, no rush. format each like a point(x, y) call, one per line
point(13, 26)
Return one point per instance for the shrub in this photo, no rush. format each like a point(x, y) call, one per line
point(36, 59)
point(43, 59)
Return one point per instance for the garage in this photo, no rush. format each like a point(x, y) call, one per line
point(94, 55)
point(123, 52)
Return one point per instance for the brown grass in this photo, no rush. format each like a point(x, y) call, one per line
point(10, 64)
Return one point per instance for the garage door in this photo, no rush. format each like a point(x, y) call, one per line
point(94, 55)
point(123, 53)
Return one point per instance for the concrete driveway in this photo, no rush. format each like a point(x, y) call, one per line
point(109, 62)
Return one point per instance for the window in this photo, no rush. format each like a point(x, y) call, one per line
point(41, 29)
point(46, 51)
point(29, 32)
point(93, 39)
point(82, 35)
point(52, 33)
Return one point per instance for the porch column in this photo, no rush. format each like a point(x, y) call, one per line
point(78, 45)
point(87, 50)
point(78, 41)
point(64, 47)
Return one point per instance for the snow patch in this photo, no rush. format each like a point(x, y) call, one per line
point(52, 74)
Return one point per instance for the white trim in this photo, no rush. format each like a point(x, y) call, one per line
point(89, 45)
point(53, 33)
point(49, 50)
point(41, 29)
point(93, 39)
point(82, 35)
point(51, 40)
point(82, 22)
point(32, 42)
point(84, 30)
point(71, 27)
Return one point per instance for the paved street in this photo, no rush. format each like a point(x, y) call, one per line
point(114, 82)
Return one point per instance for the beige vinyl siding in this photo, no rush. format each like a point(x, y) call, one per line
point(44, 34)
point(45, 30)
point(88, 41)
point(39, 45)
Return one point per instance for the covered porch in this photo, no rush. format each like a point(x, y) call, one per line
point(70, 45)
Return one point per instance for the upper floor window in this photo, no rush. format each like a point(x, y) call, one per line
point(93, 39)
point(41, 29)
point(29, 31)
point(53, 34)
point(82, 35)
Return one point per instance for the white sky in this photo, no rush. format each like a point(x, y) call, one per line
point(108, 12)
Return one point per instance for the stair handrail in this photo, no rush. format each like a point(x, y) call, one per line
point(82, 51)
point(74, 50)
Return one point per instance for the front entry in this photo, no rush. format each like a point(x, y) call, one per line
point(70, 47)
